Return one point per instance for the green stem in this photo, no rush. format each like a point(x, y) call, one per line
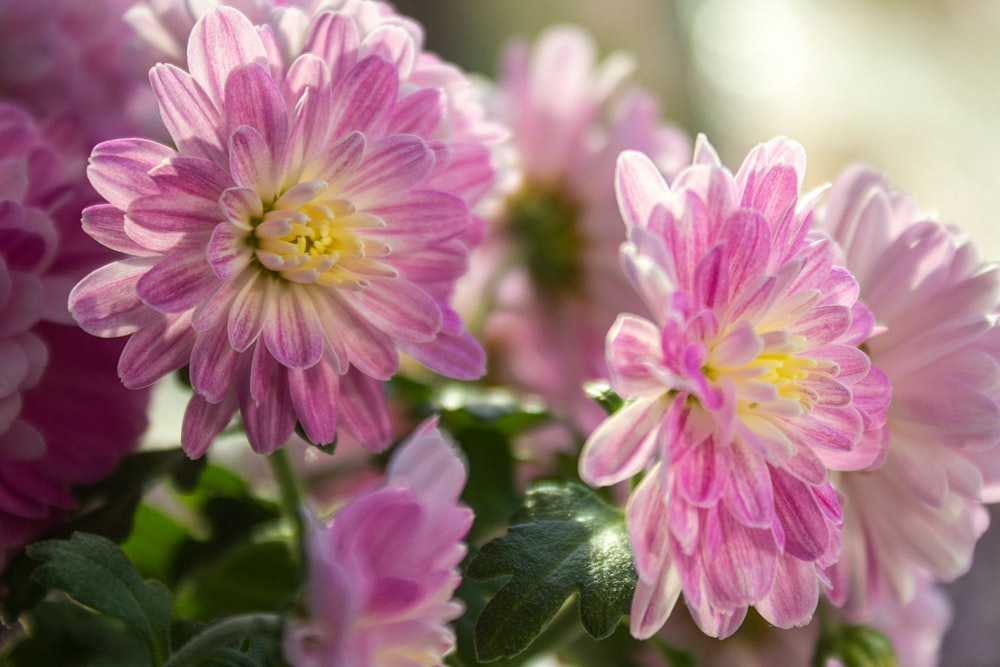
point(215, 637)
point(291, 499)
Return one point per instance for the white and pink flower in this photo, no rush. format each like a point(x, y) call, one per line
point(935, 302)
point(548, 267)
point(383, 573)
point(303, 232)
point(743, 389)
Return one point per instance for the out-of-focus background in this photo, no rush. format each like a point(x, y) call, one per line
point(911, 86)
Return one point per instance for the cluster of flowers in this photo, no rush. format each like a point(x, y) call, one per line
point(811, 380)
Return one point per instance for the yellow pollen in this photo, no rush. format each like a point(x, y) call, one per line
point(318, 242)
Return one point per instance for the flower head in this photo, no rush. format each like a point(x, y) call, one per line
point(551, 252)
point(935, 305)
point(743, 389)
point(382, 575)
point(64, 420)
point(299, 237)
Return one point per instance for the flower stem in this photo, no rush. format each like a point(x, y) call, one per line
point(218, 635)
point(291, 499)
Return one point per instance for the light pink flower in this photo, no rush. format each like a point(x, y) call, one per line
point(382, 575)
point(72, 65)
point(297, 239)
point(549, 266)
point(64, 418)
point(934, 302)
point(746, 386)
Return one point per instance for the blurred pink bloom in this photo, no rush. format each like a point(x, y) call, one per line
point(300, 236)
point(934, 302)
point(548, 270)
point(743, 390)
point(73, 65)
point(382, 575)
point(64, 417)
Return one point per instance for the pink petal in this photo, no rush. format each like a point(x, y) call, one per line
point(653, 603)
point(315, 393)
point(421, 217)
point(749, 495)
point(639, 186)
point(794, 596)
point(364, 96)
point(268, 412)
point(648, 519)
point(398, 308)
point(178, 282)
point(363, 412)
point(192, 118)
point(251, 162)
point(339, 162)
point(228, 252)
point(807, 535)
point(392, 165)
point(214, 364)
point(740, 562)
point(418, 113)
point(247, 315)
point(623, 444)
point(105, 303)
point(634, 353)
point(334, 39)
point(156, 350)
point(458, 356)
point(292, 331)
point(369, 350)
point(193, 176)
point(106, 225)
point(703, 472)
point(253, 99)
point(119, 169)
point(203, 421)
point(219, 43)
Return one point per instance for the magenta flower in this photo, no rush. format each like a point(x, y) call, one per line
point(549, 265)
point(382, 575)
point(71, 65)
point(64, 419)
point(934, 302)
point(298, 238)
point(746, 386)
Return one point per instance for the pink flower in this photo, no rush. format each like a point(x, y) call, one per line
point(382, 575)
point(549, 265)
point(71, 64)
point(297, 239)
point(934, 302)
point(64, 419)
point(746, 386)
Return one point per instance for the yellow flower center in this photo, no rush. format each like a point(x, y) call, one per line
point(314, 239)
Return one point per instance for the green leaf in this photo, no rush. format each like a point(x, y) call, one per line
point(490, 490)
point(601, 391)
point(565, 540)
point(106, 508)
point(64, 633)
point(155, 539)
point(854, 645)
point(93, 571)
point(249, 577)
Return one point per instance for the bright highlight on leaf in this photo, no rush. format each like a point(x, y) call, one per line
point(564, 540)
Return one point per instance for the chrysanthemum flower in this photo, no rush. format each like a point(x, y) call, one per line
point(64, 419)
point(934, 302)
point(746, 386)
point(298, 238)
point(548, 268)
point(382, 575)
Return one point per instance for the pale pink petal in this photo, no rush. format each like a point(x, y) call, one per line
point(392, 164)
point(228, 252)
point(364, 96)
point(178, 282)
point(214, 364)
point(157, 349)
point(203, 421)
point(398, 308)
point(794, 596)
point(623, 444)
point(119, 169)
point(458, 356)
point(362, 411)
point(106, 225)
point(251, 162)
point(315, 395)
point(253, 99)
point(105, 303)
point(292, 330)
point(191, 117)
point(219, 43)
point(634, 356)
